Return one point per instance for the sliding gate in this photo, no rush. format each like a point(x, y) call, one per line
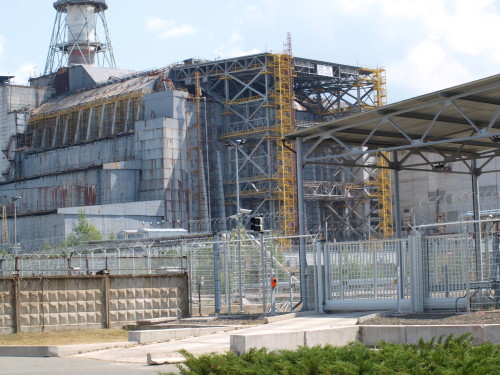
point(413, 274)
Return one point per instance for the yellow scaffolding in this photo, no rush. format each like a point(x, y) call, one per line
point(384, 186)
point(284, 112)
point(383, 181)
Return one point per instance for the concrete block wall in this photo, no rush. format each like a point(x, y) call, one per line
point(7, 306)
point(146, 298)
point(89, 302)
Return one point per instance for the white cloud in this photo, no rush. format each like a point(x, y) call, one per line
point(427, 67)
point(234, 47)
point(177, 31)
point(168, 28)
point(157, 24)
point(24, 72)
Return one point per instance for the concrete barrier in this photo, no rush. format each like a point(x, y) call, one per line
point(369, 335)
point(162, 335)
point(57, 351)
point(290, 340)
point(373, 335)
point(28, 351)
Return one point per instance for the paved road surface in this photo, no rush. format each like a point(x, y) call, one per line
point(75, 366)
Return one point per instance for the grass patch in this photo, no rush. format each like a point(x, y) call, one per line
point(448, 356)
point(65, 337)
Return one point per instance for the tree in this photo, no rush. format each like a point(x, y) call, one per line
point(83, 231)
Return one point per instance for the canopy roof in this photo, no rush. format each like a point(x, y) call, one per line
point(457, 124)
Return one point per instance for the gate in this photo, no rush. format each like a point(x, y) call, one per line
point(413, 274)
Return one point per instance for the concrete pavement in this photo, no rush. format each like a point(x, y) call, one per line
point(282, 332)
point(275, 335)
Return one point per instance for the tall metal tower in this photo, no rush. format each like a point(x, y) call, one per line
point(75, 37)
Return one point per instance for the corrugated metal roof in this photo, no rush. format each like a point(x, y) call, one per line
point(461, 118)
point(141, 84)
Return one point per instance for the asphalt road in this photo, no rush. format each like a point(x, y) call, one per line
point(75, 366)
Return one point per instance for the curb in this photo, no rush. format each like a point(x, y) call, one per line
point(58, 351)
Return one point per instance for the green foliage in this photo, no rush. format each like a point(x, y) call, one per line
point(83, 231)
point(448, 356)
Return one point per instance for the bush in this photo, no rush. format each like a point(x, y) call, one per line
point(448, 356)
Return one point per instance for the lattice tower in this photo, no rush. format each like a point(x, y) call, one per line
point(75, 36)
point(284, 112)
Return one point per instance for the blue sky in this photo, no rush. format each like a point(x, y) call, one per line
point(424, 45)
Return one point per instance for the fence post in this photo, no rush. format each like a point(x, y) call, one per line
point(217, 285)
point(69, 265)
point(190, 278)
point(107, 304)
point(17, 313)
point(320, 280)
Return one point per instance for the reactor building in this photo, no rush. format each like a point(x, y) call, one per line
point(179, 147)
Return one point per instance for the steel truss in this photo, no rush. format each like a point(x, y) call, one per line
point(460, 127)
point(257, 105)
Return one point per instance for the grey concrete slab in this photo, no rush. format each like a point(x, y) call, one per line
point(57, 351)
point(162, 335)
point(77, 366)
point(372, 335)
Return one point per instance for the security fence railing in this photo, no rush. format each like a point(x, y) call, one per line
point(258, 274)
point(261, 274)
point(421, 272)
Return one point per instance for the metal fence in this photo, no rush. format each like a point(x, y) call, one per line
point(414, 274)
point(233, 276)
point(226, 275)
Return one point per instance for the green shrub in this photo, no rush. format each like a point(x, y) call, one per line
point(444, 356)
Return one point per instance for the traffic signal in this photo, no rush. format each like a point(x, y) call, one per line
point(256, 224)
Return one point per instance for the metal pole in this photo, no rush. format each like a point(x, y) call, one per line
point(15, 225)
point(208, 167)
point(477, 219)
point(263, 273)
point(217, 275)
point(397, 224)
point(239, 227)
point(302, 246)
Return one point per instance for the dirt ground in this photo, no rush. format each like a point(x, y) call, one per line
point(479, 317)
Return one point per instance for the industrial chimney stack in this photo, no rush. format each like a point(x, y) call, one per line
point(75, 37)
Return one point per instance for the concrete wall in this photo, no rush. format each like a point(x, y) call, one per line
point(156, 163)
point(81, 188)
point(36, 231)
point(87, 155)
point(113, 218)
point(164, 172)
point(89, 302)
point(15, 102)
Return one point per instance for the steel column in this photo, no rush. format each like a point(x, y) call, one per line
point(302, 245)
point(476, 172)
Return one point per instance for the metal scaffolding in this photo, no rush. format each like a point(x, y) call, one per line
point(259, 96)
